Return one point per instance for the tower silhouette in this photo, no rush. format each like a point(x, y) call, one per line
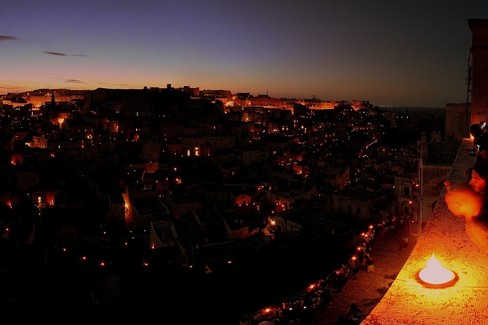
point(479, 73)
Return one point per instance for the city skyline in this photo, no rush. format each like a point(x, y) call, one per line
point(392, 54)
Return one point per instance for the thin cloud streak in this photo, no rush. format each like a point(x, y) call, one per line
point(74, 81)
point(8, 38)
point(120, 85)
point(54, 53)
point(62, 54)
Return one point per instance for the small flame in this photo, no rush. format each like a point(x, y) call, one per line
point(435, 273)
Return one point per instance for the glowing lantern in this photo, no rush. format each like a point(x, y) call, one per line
point(435, 275)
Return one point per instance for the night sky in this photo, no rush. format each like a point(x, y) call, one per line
point(395, 53)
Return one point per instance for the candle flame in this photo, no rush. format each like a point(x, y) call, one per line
point(435, 273)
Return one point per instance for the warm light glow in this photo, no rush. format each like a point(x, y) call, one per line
point(435, 273)
point(463, 201)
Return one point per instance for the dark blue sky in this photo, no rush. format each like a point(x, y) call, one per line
point(396, 53)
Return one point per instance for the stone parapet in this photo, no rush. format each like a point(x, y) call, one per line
point(408, 301)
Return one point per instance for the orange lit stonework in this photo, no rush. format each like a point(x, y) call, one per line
point(465, 300)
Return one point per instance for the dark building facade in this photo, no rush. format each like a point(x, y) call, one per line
point(479, 81)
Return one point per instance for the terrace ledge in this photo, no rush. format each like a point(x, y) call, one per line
point(408, 301)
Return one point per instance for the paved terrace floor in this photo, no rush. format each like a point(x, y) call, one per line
point(369, 287)
point(466, 301)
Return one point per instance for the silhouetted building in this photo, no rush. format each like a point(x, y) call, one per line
point(457, 118)
point(479, 82)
